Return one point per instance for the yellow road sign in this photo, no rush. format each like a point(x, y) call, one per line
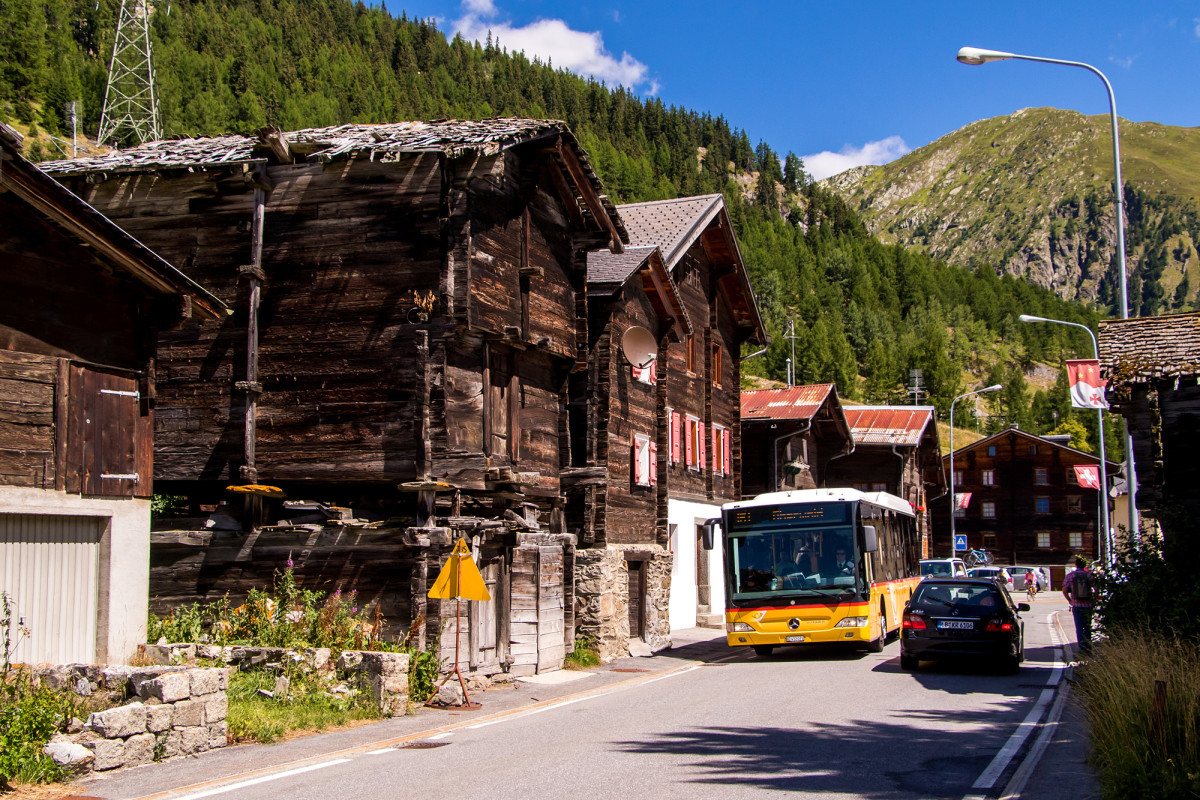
point(459, 578)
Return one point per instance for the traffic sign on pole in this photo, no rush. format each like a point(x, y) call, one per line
point(960, 543)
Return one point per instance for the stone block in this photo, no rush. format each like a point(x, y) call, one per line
point(188, 714)
point(155, 654)
point(139, 749)
point(218, 734)
point(119, 722)
point(320, 657)
point(350, 660)
point(216, 709)
point(212, 652)
point(110, 753)
point(158, 718)
point(206, 681)
point(115, 678)
point(169, 688)
point(193, 740)
point(69, 754)
point(172, 744)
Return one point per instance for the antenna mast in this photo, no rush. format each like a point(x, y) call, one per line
point(130, 105)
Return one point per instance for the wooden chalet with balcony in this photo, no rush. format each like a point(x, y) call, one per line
point(410, 309)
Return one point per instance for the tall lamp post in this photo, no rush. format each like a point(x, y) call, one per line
point(975, 56)
point(953, 508)
point(1104, 546)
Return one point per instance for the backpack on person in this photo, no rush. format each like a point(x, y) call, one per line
point(1081, 585)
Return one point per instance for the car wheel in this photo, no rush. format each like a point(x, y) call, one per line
point(1012, 665)
point(763, 650)
point(909, 662)
point(876, 645)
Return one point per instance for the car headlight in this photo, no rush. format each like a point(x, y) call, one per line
point(739, 627)
point(853, 622)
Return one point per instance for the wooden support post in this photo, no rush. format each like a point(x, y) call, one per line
point(251, 386)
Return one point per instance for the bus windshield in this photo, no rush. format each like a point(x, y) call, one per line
point(793, 549)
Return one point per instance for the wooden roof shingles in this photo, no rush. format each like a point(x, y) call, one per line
point(1141, 349)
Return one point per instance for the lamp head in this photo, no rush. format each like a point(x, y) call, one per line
point(977, 55)
point(995, 387)
point(1031, 318)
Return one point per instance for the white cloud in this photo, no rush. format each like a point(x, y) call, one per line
point(553, 40)
point(1197, 21)
point(822, 165)
point(1125, 62)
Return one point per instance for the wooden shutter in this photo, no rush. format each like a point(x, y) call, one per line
point(716, 444)
point(726, 452)
point(676, 424)
point(689, 445)
point(700, 439)
point(653, 465)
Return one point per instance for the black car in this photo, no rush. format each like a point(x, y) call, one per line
point(962, 618)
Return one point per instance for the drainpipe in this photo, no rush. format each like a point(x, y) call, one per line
point(835, 458)
point(755, 353)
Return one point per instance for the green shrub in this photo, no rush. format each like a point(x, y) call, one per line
point(584, 656)
point(256, 717)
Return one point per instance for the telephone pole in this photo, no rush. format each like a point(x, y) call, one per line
point(130, 112)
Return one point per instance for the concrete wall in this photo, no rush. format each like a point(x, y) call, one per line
point(684, 516)
point(124, 563)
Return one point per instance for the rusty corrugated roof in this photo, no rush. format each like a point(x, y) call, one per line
point(797, 402)
point(900, 425)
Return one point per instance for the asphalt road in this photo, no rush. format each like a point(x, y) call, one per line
point(702, 721)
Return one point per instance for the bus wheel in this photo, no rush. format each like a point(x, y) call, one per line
point(876, 645)
point(763, 650)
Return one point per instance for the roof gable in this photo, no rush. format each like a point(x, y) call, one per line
point(1030, 437)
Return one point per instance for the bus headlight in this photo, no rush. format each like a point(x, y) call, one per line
point(853, 622)
point(739, 627)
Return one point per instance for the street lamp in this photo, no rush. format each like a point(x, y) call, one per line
point(1106, 536)
point(975, 56)
point(953, 509)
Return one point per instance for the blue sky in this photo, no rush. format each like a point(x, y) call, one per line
point(844, 83)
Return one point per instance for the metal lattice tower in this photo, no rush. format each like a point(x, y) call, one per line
point(130, 103)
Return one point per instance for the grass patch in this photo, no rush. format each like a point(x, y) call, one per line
point(1141, 752)
point(584, 656)
point(307, 708)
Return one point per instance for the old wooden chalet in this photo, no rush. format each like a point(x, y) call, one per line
point(1025, 504)
point(80, 304)
point(896, 450)
point(411, 306)
point(790, 436)
point(1153, 369)
point(664, 441)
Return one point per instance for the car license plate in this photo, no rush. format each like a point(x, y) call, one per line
point(793, 638)
point(956, 624)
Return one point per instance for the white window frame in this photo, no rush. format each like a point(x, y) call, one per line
point(1075, 539)
point(988, 509)
point(1041, 476)
point(719, 465)
point(691, 434)
point(988, 477)
point(643, 460)
point(1043, 539)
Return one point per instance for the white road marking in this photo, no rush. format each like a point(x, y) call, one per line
point(254, 781)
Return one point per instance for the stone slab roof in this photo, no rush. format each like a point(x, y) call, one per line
point(606, 268)
point(670, 224)
point(1144, 348)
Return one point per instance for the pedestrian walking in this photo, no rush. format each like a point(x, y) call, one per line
point(1080, 593)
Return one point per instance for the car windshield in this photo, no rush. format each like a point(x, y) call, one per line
point(817, 560)
point(963, 598)
point(935, 568)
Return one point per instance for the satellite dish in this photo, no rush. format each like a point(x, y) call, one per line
point(639, 346)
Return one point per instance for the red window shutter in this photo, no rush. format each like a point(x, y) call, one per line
point(635, 373)
point(654, 372)
point(726, 448)
point(676, 420)
point(716, 445)
point(700, 439)
point(653, 463)
point(688, 444)
point(638, 478)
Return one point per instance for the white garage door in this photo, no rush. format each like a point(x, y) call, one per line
point(49, 567)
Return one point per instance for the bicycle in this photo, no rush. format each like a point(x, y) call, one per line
point(1031, 590)
point(977, 558)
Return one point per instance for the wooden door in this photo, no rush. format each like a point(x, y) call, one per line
point(109, 439)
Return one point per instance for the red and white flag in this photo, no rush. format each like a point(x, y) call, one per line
point(962, 500)
point(1088, 477)
point(1087, 387)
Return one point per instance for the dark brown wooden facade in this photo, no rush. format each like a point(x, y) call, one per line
point(789, 437)
point(80, 305)
point(1152, 365)
point(1026, 505)
point(410, 305)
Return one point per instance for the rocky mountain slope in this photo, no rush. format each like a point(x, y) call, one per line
point(1030, 194)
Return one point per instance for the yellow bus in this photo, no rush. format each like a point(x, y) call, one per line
point(816, 566)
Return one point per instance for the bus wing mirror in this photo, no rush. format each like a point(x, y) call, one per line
point(708, 533)
point(870, 539)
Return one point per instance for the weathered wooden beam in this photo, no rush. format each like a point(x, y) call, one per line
point(565, 194)
point(593, 201)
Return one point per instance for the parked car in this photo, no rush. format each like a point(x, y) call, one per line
point(962, 618)
point(952, 567)
point(998, 574)
point(1042, 573)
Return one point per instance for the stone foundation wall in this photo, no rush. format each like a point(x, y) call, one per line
point(602, 599)
point(177, 711)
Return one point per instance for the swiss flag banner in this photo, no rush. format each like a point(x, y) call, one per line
point(1087, 387)
point(962, 500)
point(1088, 477)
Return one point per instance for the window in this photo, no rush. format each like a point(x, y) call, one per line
point(989, 477)
point(689, 345)
point(1041, 476)
point(958, 477)
point(648, 374)
point(862, 487)
point(1033, 449)
point(721, 456)
point(1043, 538)
point(989, 540)
point(1041, 505)
point(674, 435)
point(1072, 478)
point(694, 444)
point(879, 487)
point(716, 365)
point(644, 461)
point(959, 513)
point(989, 510)
point(992, 450)
point(1076, 539)
point(1074, 504)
